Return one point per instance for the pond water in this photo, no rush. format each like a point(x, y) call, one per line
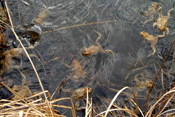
point(68, 26)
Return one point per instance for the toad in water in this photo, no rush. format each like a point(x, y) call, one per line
point(79, 72)
point(95, 49)
point(79, 94)
point(22, 90)
point(162, 21)
point(150, 12)
point(153, 40)
point(141, 85)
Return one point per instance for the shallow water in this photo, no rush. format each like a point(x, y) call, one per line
point(118, 21)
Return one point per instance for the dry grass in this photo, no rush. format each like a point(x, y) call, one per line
point(31, 106)
point(34, 105)
point(164, 100)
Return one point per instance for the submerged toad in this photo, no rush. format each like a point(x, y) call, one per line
point(7, 62)
point(79, 72)
point(162, 21)
point(153, 40)
point(94, 49)
point(79, 94)
point(141, 85)
point(150, 12)
point(22, 90)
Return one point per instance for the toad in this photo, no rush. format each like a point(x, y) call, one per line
point(7, 62)
point(150, 12)
point(22, 90)
point(79, 94)
point(141, 85)
point(79, 72)
point(152, 39)
point(94, 49)
point(162, 21)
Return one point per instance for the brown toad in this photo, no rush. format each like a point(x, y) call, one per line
point(162, 21)
point(7, 62)
point(22, 90)
point(141, 85)
point(152, 39)
point(94, 49)
point(79, 94)
point(79, 72)
point(150, 12)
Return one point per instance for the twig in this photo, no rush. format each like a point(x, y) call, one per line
point(158, 75)
point(78, 25)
